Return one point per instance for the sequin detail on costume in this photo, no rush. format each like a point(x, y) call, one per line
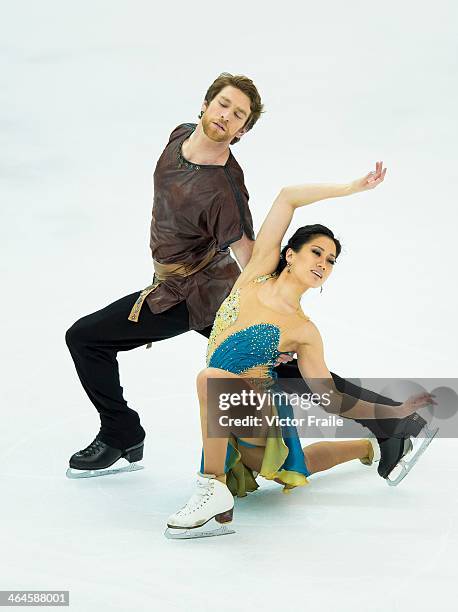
point(261, 279)
point(250, 350)
point(227, 315)
point(247, 348)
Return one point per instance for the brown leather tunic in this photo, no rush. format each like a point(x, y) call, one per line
point(196, 209)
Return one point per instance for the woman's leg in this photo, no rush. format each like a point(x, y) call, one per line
point(322, 456)
point(212, 498)
point(214, 448)
point(319, 456)
point(252, 457)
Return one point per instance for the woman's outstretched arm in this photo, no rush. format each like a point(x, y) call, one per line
point(312, 366)
point(266, 250)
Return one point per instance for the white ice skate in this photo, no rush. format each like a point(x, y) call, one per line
point(206, 514)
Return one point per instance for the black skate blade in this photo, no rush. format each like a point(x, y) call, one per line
point(74, 473)
point(400, 471)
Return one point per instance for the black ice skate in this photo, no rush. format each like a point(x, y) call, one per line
point(399, 453)
point(98, 458)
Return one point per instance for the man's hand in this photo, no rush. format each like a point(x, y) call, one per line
point(415, 402)
point(284, 358)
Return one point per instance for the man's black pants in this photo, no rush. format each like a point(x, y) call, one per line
point(94, 341)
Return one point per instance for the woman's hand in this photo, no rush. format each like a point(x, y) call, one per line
point(284, 358)
point(415, 402)
point(371, 180)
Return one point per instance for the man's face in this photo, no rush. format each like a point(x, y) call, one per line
point(230, 109)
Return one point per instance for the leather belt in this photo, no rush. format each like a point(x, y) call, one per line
point(162, 271)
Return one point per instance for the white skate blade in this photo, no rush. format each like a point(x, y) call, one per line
point(123, 466)
point(404, 466)
point(210, 529)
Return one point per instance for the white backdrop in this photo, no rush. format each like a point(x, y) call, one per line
point(90, 93)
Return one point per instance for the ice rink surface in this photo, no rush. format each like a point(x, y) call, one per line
point(344, 542)
point(90, 96)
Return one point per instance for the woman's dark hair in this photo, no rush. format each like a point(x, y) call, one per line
point(304, 235)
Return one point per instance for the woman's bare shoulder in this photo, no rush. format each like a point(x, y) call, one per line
point(253, 271)
point(308, 333)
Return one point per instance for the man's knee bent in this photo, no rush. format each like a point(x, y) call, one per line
point(79, 333)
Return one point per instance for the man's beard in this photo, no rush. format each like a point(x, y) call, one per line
point(212, 131)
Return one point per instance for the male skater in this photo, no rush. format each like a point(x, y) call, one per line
point(200, 208)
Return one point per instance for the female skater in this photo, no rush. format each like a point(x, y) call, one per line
point(261, 318)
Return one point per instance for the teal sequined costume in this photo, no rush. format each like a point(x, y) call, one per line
point(245, 340)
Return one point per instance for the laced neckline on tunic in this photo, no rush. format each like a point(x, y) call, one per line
point(182, 161)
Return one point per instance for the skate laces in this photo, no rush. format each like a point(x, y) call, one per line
point(200, 497)
point(93, 447)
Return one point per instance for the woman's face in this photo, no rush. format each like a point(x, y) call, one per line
point(314, 262)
